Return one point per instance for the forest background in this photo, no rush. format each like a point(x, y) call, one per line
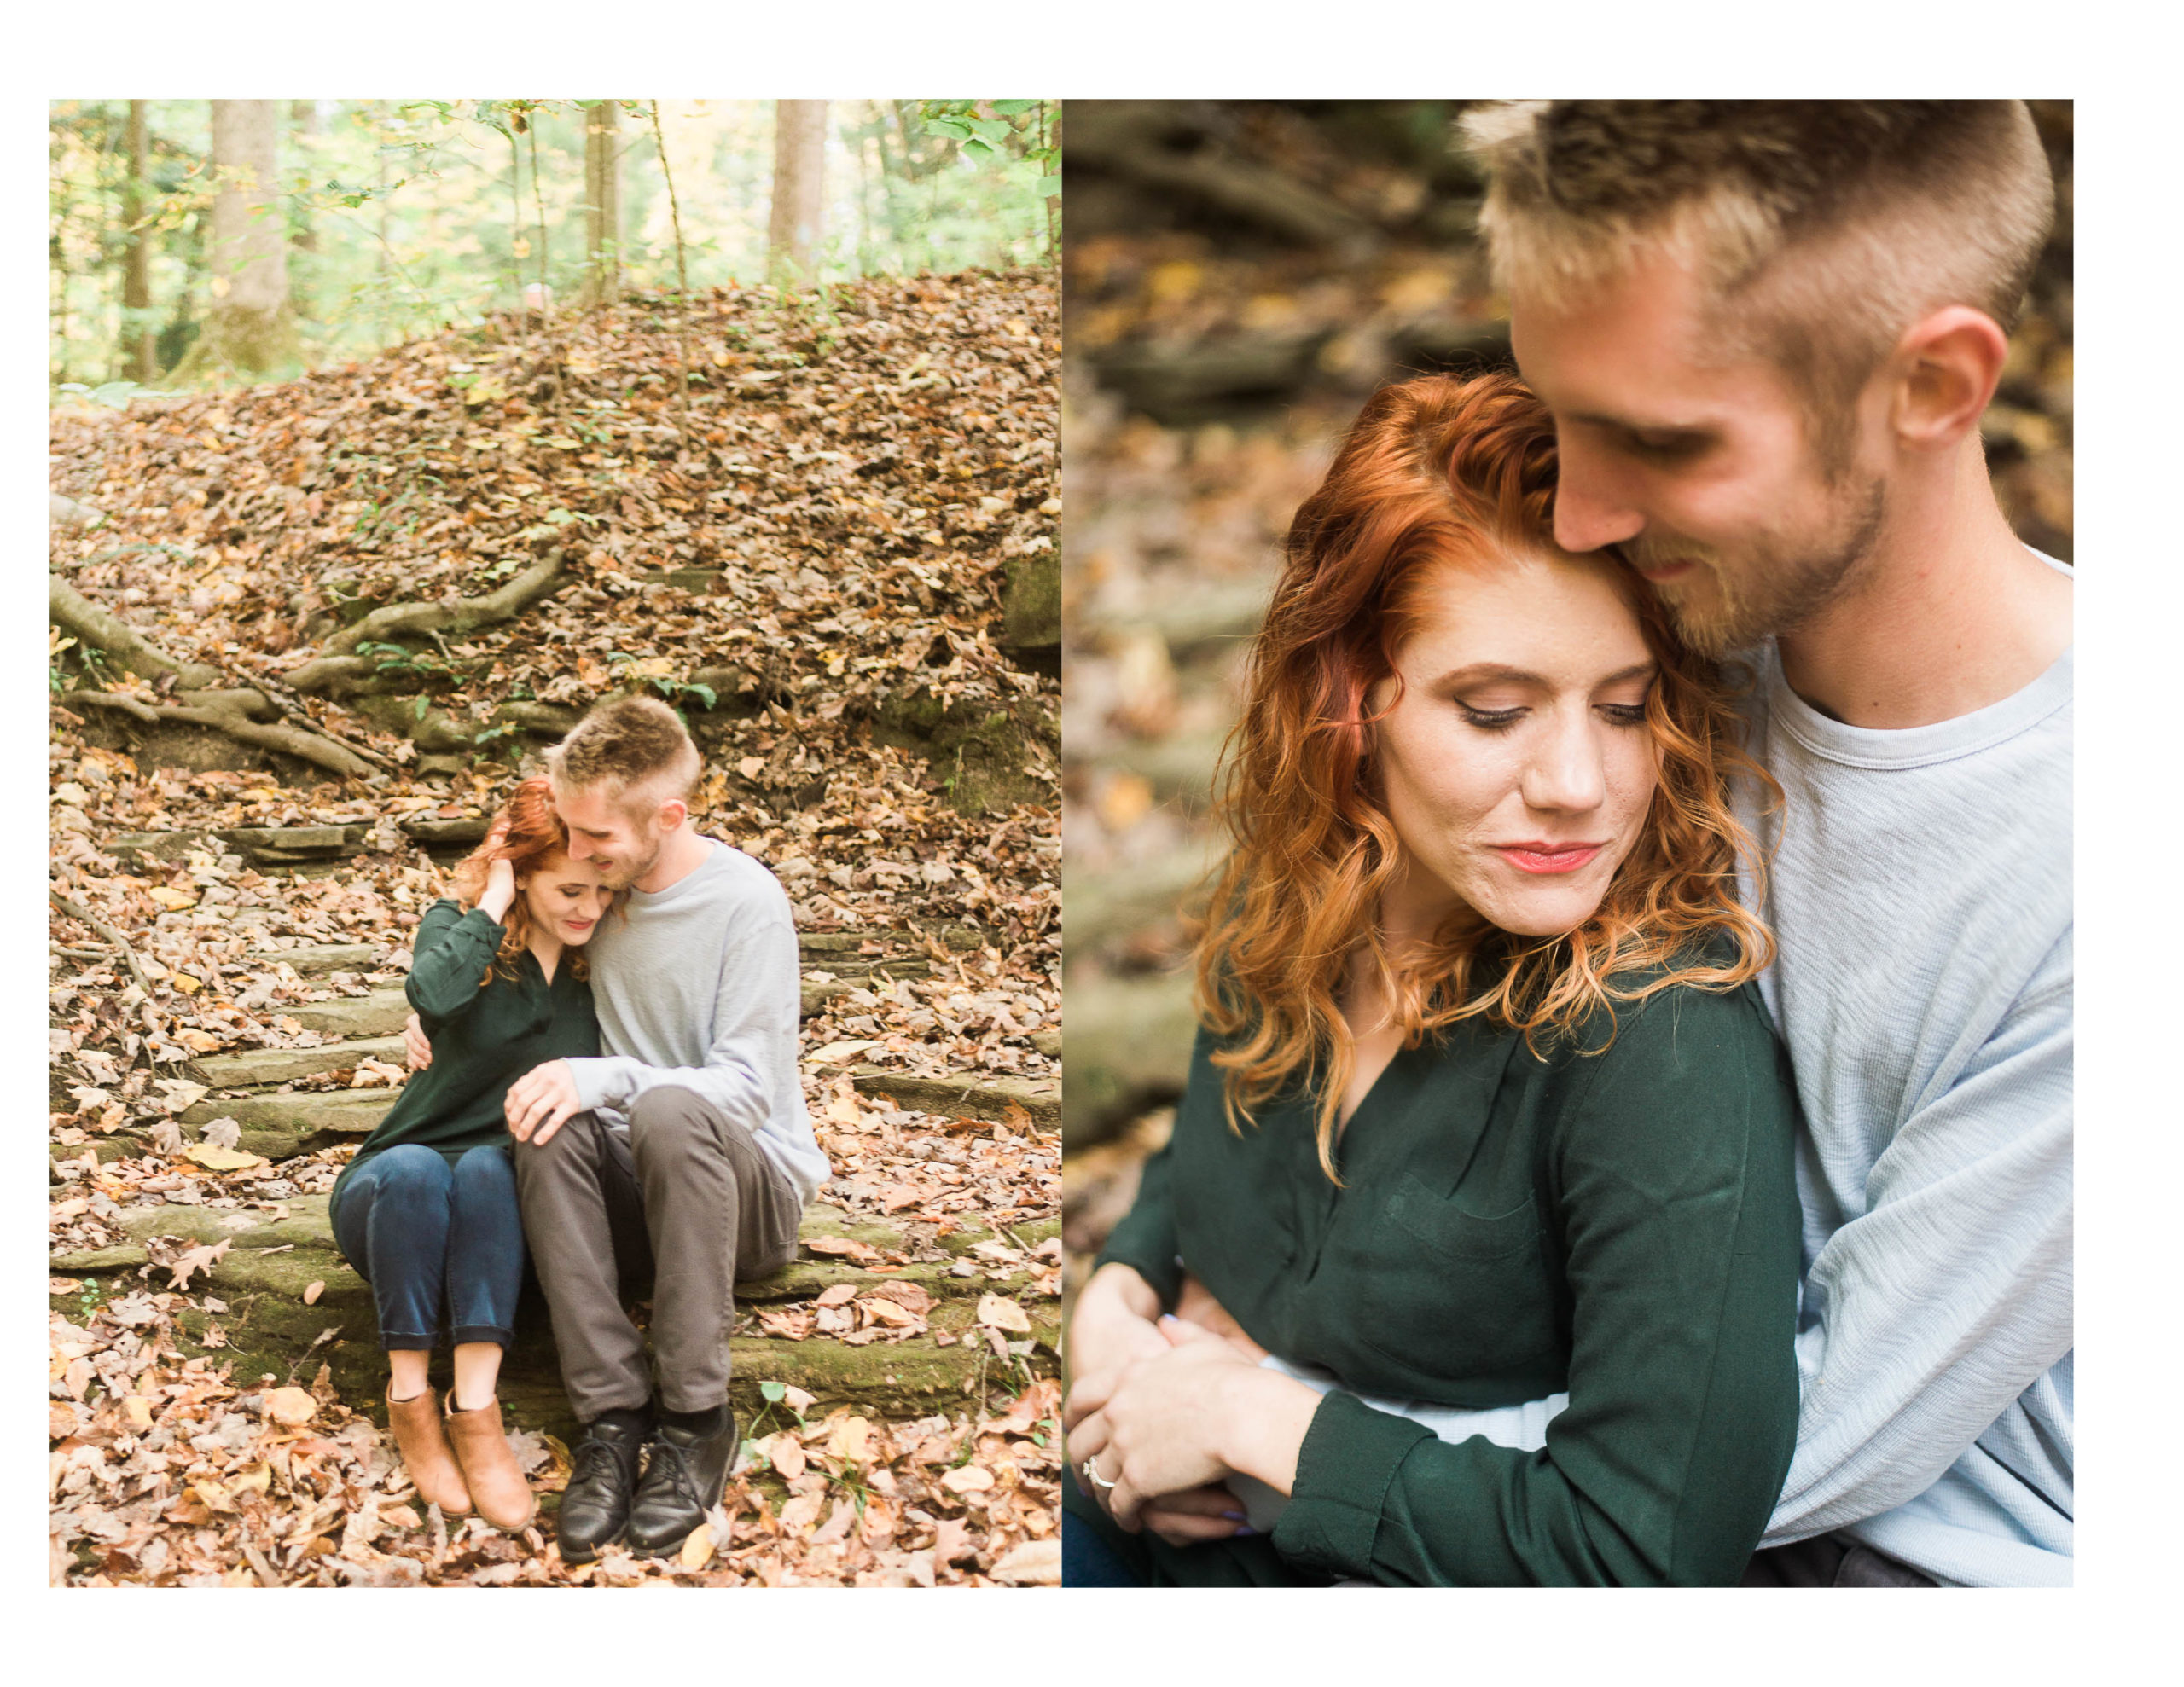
point(1238, 277)
point(384, 438)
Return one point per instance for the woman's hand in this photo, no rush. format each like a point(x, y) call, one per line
point(1160, 1430)
point(500, 876)
point(1112, 1329)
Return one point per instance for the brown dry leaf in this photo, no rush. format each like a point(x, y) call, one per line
point(292, 1406)
point(913, 1296)
point(844, 1247)
point(967, 1478)
point(838, 1294)
point(312, 1293)
point(198, 1259)
point(851, 1439)
point(137, 1411)
point(786, 1454)
point(1000, 1312)
point(1035, 1563)
point(697, 1548)
point(795, 1399)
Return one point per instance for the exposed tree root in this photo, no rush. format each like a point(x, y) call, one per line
point(106, 934)
point(337, 673)
point(229, 712)
point(129, 649)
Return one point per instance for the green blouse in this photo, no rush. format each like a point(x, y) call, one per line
point(484, 1036)
point(1622, 1226)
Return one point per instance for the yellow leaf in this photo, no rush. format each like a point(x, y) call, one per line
point(311, 1294)
point(215, 1159)
point(751, 766)
point(698, 1549)
point(259, 1477)
point(1036, 1563)
point(138, 1411)
point(202, 1042)
point(173, 901)
point(213, 1495)
point(188, 985)
point(1004, 1314)
point(851, 1439)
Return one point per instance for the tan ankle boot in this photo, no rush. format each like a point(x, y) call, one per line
point(503, 1498)
point(426, 1454)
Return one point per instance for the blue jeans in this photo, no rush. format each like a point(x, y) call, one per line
point(428, 1236)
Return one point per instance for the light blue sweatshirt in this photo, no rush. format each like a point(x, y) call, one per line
point(1920, 893)
point(699, 987)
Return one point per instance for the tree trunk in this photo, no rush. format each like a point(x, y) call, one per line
point(138, 336)
point(794, 229)
point(304, 118)
point(602, 199)
point(249, 326)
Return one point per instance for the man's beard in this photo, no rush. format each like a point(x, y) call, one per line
point(1770, 589)
point(617, 877)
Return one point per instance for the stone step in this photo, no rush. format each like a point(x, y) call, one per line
point(273, 1260)
point(966, 1095)
point(279, 1124)
point(253, 1068)
point(380, 1013)
point(317, 960)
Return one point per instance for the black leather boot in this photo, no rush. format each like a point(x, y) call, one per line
point(685, 1476)
point(596, 1506)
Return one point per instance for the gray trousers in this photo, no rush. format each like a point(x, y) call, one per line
point(689, 1199)
point(1829, 1561)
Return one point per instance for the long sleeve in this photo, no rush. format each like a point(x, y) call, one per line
point(1960, 1269)
point(1145, 1240)
point(752, 1039)
point(452, 951)
point(1678, 1217)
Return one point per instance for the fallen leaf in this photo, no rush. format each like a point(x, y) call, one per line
point(1001, 1312)
point(697, 1548)
point(292, 1406)
point(967, 1478)
point(786, 1454)
point(837, 1294)
point(311, 1294)
point(1033, 1563)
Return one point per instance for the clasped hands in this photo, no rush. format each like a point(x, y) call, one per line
point(1166, 1410)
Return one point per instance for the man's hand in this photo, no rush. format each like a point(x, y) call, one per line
point(416, 1044)
point(541, 1101)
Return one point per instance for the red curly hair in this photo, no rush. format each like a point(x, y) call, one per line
point(531, 833)
point(1437, 469)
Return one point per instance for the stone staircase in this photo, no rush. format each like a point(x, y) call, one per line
point(275, 1257)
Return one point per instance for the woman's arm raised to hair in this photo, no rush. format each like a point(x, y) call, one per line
point(453, 950)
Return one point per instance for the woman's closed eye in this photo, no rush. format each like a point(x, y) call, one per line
point(1500, 720)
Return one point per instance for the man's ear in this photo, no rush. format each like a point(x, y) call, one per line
point(1946, 367)
point(673, 813)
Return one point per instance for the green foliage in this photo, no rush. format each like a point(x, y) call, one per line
point(408, 216)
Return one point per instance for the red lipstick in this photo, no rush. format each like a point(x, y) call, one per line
point(1537, 857)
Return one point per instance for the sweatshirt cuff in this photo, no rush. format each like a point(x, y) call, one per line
point(593, 1078)
point(1349, 1460)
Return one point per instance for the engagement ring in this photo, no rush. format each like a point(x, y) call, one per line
point(1091, 1472)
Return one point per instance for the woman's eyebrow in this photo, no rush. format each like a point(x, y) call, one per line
point(1476, 673)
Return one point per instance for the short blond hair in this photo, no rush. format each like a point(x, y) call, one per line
point(1823, 229)
point(637, 749)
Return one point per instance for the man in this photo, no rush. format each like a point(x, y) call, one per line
point(1767, 330)
point(686, 1145)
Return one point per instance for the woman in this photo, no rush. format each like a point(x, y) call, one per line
point(427, 1211)
point(1485, 1108)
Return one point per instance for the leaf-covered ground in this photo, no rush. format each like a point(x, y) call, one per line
point(851, 486)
